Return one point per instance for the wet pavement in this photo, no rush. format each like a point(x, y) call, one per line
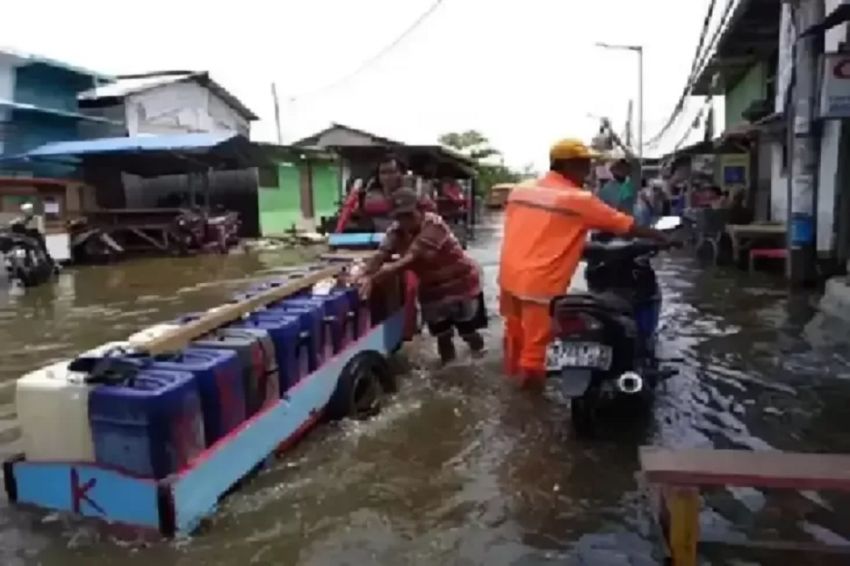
point(461, 468)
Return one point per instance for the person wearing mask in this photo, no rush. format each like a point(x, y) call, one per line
point(546, 225)
point(371, 204)
point(449, 290)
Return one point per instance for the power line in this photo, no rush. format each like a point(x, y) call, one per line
point(379, 55)
point(694, 64)
point(698, 65)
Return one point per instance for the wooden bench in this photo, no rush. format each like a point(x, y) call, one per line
point(766, 253)
point(681, 474)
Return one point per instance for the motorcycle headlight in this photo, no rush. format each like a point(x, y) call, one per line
point(19, 253)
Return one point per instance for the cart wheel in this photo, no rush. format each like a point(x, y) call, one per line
point(362, 385)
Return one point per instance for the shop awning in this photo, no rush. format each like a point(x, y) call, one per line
point(151, 156)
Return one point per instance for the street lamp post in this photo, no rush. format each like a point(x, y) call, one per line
point(639, 50)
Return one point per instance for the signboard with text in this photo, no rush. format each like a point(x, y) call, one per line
point(835, 94)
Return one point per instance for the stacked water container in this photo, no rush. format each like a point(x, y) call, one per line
point(152, 416)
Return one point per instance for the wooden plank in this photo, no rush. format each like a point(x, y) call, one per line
point(682, 504)
point(745, 468)
point(179, 338)
point(744, 230)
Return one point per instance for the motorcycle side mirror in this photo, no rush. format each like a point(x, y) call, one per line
point(667, 223)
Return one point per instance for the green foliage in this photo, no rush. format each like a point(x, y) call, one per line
point(476, 145)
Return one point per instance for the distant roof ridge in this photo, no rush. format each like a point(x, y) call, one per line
point(128, 85)
point(155, 74)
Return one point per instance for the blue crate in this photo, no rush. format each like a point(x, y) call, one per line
point(311, 322)
point(284, 331)
point(150, 425)
point(219, 377)
point(258, 358)
point(346, 302)
point(332, 336)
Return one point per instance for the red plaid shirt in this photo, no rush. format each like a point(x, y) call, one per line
point(445, 272)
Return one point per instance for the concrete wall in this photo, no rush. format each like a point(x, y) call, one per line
point(180, 108)
point(280, 206)
point(750, 88)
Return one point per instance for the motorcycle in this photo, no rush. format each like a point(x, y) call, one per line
point(24, 255)
point(604, 345)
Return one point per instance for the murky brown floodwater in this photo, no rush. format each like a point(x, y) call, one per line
point(461, 468)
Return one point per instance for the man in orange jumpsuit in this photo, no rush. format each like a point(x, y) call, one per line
point(546, 225)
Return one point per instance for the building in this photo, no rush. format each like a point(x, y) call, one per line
point(38, 105)
point(170, 102)
point(742, 70)
point(298, 187)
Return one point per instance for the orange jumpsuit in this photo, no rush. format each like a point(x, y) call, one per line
point(546, 224)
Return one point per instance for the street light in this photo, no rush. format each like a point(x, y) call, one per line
point(639, 50)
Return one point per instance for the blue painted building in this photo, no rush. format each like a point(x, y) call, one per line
point(38, 104)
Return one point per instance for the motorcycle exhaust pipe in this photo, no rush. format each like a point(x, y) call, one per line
point(630, 383)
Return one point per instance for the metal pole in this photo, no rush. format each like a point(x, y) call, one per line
point(277, 114)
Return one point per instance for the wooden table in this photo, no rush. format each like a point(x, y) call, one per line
point(681, 474)
point(739, 233)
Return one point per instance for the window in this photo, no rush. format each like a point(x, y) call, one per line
point(267, 177)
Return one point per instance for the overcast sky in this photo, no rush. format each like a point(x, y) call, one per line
point(524, 72)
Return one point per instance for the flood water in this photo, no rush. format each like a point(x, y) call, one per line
point(461, 468)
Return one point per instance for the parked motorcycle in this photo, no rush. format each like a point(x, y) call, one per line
point(604, 345)
point(25, 257)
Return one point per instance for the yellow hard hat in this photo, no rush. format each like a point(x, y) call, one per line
point(571, 148)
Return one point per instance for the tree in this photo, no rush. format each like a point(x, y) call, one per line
point(471, 142)
point(476, 145)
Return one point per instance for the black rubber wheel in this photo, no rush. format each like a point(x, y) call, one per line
point(584, 413)
point(362, 385)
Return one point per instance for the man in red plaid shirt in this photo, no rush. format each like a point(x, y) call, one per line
point(450, 293)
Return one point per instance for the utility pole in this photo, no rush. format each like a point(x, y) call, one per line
point(277, 114)
point(639, 50)
point(804, 146)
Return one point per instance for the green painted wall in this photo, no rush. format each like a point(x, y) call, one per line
point(325, 189)
point(752, 87)
point(280, 207)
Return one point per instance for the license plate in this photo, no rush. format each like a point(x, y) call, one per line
point(560, 355)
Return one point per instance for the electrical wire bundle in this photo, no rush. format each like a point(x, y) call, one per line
point(702, 55)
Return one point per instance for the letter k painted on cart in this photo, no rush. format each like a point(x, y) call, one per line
point(80, 493)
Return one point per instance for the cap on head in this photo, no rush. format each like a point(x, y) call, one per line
point(27, 208)
point(570, 148)
point(404, 201)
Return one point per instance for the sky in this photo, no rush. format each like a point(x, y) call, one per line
point(523, 72)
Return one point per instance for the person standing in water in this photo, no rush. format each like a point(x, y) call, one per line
point(449, 282)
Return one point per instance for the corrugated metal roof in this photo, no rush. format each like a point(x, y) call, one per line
point(126, 87)
point(136, 144)
point(29, 58)
point(55, 112)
